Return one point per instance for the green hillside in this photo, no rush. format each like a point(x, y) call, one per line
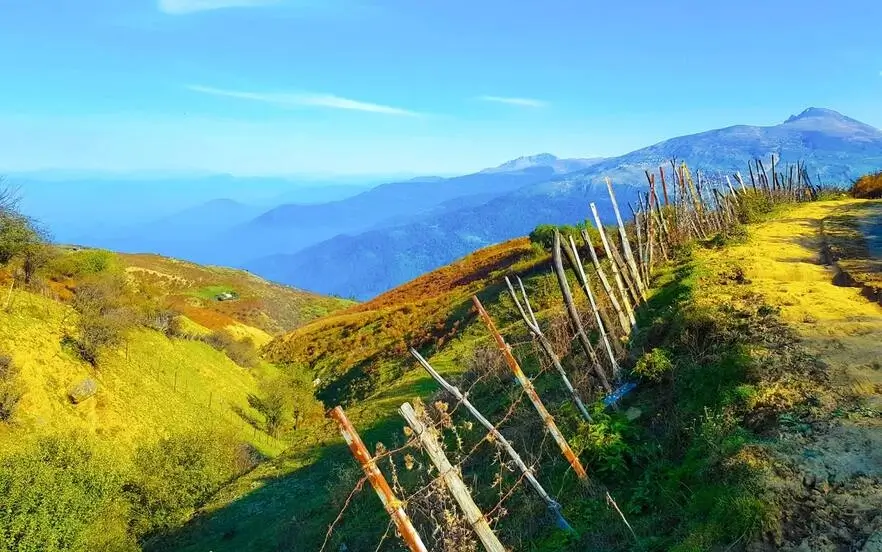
point(738, 369)
point(130, 393)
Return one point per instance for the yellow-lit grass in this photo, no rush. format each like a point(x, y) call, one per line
point(151, 387)
point(782, 260)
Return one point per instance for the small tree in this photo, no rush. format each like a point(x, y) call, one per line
point(104, 315)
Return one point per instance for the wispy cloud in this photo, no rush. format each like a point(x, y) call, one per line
point(182, 7)
point(520, 102)
point(329, 101)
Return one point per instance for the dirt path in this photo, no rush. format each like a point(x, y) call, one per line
point(831, 472)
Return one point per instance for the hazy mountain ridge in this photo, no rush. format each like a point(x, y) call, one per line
point(835, 147)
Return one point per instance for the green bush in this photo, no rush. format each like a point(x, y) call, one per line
point(243, 352)
point(85, 262)
point(58, 496)
point(754, 207)
point(543, 235)
point(176, 475)
point(654, 365)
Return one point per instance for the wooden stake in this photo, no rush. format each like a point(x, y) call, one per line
point(552, 504)
point(574, 314)
point(393, 506)
point(573, 255)
point(536, 331)
point(547, 418)
point(623, 319)
point(452, 479)
point(626, 244)
point(618, 269)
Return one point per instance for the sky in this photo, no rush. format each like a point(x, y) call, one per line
point(333, 87)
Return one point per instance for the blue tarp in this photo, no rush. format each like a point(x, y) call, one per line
point(617, 395)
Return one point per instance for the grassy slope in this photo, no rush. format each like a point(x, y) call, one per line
point(703, 436)
point(162, 387)
point(286, 502)
point(192, 289)
point(153, 386)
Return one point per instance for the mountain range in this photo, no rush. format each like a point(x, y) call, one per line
point(836, 148)
point(360, 241)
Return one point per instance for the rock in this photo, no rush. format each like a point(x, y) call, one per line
point(83, 390)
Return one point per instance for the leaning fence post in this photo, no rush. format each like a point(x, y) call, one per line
point(393, 506)
point(452, 480)
point(573, 253)
point(623, 319)
point(553, 505)
point(574, 314)
point(620, 272)
point(533, 326)
point(626, 244)
point(546, 416)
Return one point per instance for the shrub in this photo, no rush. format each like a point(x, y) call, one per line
point(86, 262)
point(177, 475)
point(57, 496)
point(868, 186)
point(242, 352)
point(654, 365)
point(104, 315)
point(18, 234)
point(10, 393)
point(753, 207)
point(543, 235)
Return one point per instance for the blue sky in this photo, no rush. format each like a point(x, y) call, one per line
point(265, 87)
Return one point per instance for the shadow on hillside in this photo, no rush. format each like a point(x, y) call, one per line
point(292, 510)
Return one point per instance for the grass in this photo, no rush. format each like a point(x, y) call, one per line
point(210, 293)
point(149, 388)
point(723, 367)
point(193, 289)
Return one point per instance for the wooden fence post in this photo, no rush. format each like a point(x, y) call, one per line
point(623, 319)
point(452, 480)
point(393, 506)
point(574, 314)
point(573, 252)
point(621, 274)
point(626, 244)
point(533, 326)
point(552, 504)
point(546, 416)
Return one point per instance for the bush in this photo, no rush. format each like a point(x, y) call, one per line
point(10, 393)
point(754, 207)
point(18, 234)
point(57, 496)
point(105, 315)
point(654, 365)
point(868, 186)
point(543, 235)
point(86, 262)
point(242, 352)
point(178, 474)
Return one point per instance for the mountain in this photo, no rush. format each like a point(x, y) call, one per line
point(290, 228)
point(835, 147)
point(545, 160)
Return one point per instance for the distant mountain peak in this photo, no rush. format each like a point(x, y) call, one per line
point(525, 162)
point(819, 119)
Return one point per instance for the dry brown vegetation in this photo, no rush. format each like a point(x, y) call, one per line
point(868, 186)
point(354, 345)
